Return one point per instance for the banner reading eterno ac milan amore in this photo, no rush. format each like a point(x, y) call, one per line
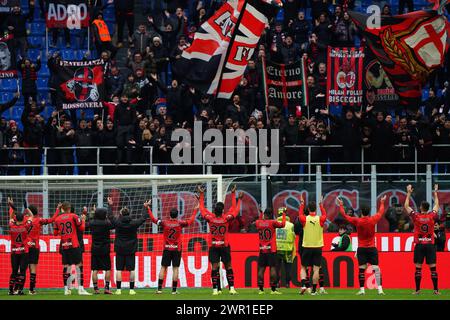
point(345, 76)
point(285, 84)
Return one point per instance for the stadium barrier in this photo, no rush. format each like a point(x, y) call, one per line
point(340, 268)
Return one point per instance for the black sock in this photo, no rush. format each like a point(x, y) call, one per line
point(418, 277)
point(131, 285)
point(81, 276)
point(261, 284)
point(174, 285)
point(12, 282)
point(362, 277)
point(95, 285)
point(32, 281)
point(314, 286)
point(434, 278)
point(21, 282)
point(66, 276)
point(214, 278)
point(106, 285)
point(230, 277)
point(307, 282)
point(273, 285)
point(321, 278)
point(119, 285)
point(303, 283)
point(160, 283)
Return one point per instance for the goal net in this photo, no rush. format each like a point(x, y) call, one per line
point(166, 192)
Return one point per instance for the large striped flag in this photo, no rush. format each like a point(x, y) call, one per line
point(216, 60)
point(409, 47)
point(345, 75)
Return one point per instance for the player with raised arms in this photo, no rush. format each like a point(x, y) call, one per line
point(125, 244)
point(33, 242)
point(424, 237)
point(366, 253)
point(100, 228)
point(219, 250)
point(66, 224)
point(312, 242)
point(266, 225)
point(19, 227)
point(172, 231)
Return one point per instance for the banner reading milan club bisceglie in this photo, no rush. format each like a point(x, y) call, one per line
point(285, 84)
point(7, 58)
point(72, 14)
point(345, 76)
point(216, 60)
point(81, 84)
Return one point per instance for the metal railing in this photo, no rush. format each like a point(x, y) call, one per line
point(328, 159)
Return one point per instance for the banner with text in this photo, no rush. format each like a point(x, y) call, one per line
point(345, 76)
point(340, 268)
point(81, 84)
point(285, 84)
point(7, 57)
point(71, 14)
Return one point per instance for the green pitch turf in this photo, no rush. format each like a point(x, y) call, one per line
point(243, 294)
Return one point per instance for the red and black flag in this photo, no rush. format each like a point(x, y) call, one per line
point(408, 46)
point(345, 76)
point(285, 85)
point(81, 84)
point(7, 5)
point(7, 57)
point(71, 14)
point(377, 86)
point(216, 60)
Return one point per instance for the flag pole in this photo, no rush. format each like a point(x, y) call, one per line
point(230, 45)
point(46, 41)
point(266, 97)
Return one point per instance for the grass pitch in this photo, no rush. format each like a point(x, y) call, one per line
point(243, 294)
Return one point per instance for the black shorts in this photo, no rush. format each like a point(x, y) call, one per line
point(425, 251)
point(125, 262)
point(33, 256)
point(19, 263)
point(367, 255)
point(217, 254)
point(71, 256)
point(311, 257)
point(267, 259)
point(100, 262)
point(171, 257)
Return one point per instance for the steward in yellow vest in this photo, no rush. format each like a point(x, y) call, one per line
point(312, 241)
point(286, 251)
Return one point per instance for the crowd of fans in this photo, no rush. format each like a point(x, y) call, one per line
point(146, 101)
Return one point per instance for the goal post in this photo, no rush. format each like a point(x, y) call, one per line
point(131, 191)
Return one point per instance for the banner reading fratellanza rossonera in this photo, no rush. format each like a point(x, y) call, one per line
point(72, 14)
point(81, 84)
point(345, 76)
point(285, 84)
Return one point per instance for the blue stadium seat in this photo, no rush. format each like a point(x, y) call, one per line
point(44, 71)
point(17, 112)
point(68, 54)
point(34, 53)
point(37, 42)
point(37, 29)
point(8, 85)
point(42, 84)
